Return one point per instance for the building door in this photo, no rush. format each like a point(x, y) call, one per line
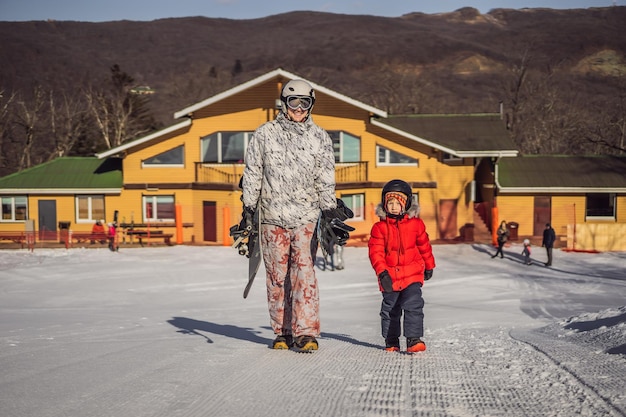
point(47, 219)
point(209, 221)
point(542, 214)
point(448, 219)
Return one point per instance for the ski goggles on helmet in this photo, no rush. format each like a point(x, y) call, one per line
point(304, 102)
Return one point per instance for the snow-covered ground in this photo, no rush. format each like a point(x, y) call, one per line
point(165, 331)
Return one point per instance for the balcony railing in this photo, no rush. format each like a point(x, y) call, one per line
point(345, 172)
point(218, 173)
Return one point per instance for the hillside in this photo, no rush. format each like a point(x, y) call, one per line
point(454, 62)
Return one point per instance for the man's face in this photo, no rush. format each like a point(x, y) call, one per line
point(298, 115)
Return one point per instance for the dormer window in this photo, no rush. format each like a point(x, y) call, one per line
point(225, 147)
point(173, 157)
point(387, 156)
point(347, 147)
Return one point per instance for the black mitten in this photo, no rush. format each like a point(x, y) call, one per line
point(428, 274)
point(385, 281)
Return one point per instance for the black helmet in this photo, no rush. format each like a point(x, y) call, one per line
point(398, 186)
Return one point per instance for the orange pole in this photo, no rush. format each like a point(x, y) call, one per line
point(179, 224)
point(226, 226)
point(494, 226)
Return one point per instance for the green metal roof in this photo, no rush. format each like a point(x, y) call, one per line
point(463, 133)
point(536, 172)
point(67, 173)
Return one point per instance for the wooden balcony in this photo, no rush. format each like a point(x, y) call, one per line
point(222, 174)
point(351, 172)
point(229, 174)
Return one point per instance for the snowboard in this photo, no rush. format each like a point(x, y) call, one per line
point(248, 244)
point(332, 235)
point(114, 245)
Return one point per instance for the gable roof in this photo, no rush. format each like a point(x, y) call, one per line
point(137, 142)
point(188, 111)
point(469, 135)
point(277, 73)
point(67, 175)
point(561, 174)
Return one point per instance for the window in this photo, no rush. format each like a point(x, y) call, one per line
point(14, 209)
point(173, 157)
point(389, 157)
point(356, 203)
point(225, 147)
point(158, 208)
point(451, 158)
point(601, 206)
point(347, 147)
point(89, 208)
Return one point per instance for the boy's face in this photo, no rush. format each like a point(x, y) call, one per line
point(394, 207)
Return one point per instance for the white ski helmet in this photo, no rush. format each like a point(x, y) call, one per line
point(297, 93)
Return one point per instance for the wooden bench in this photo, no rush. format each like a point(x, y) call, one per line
point(17, 237)
point(167, 238)
point(91, 237)
point(153, 234)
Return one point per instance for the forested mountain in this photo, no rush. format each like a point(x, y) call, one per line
point(559, 74)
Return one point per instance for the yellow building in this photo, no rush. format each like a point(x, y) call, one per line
point(187, 175)
point(582, 197)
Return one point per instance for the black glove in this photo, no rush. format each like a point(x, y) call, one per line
point(428, 274)
point(341, 231)
point(385, 281)
point(247, 219)
point(341, 212)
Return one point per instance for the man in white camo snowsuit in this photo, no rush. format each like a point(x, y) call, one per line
point(290, 176)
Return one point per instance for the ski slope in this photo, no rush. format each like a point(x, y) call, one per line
point(165, 331)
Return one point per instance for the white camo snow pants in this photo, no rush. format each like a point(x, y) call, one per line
point(292, 291)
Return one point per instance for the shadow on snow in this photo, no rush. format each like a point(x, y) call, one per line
point(193, 327)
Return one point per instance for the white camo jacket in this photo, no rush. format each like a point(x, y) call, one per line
point(290, 171)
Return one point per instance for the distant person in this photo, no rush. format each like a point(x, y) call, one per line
point(402, 257)
point(98, 230)
point(112, 236)
point(549, 237)
point(503, 236)
point(526, 251)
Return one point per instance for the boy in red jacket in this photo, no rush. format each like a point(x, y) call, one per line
point(402, 257)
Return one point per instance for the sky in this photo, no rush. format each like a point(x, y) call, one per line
point(146, 10)
point(164, 331)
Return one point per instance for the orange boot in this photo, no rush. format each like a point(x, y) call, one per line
point(415, 344)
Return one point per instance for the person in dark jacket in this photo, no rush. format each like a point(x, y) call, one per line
point(503, 236)
point(402, 257)
point(549, 236)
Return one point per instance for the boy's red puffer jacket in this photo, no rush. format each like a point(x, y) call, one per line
point(401, 247)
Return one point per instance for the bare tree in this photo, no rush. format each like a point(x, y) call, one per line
point(6, 114)
point(543, 117)
point(28, 119)
point(118, 113)
point(515, 93)
point(605, 127)
point(67, 122)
